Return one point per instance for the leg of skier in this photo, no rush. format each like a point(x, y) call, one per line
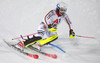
point(38, 38)
point(51, 37)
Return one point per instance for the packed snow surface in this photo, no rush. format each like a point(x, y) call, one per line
point(22, 17)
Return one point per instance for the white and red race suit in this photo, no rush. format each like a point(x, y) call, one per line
point(52, 19)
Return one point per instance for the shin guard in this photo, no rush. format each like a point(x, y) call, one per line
point(48, 40)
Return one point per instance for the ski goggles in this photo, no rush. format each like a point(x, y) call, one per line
point(63, 10)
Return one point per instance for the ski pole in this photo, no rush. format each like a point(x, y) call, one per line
point(57, 47)
point(24, 36)
point(30, 34)
point(84, 36)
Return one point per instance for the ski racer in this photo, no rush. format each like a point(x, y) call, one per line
point(49, 25)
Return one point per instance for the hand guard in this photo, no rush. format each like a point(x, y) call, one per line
point(71, 34)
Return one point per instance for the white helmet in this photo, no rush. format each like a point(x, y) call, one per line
point(62, 7)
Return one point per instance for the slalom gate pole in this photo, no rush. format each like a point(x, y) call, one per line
point(57, 47)
point(84, 36)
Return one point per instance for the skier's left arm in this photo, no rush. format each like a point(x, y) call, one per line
point(71, 32)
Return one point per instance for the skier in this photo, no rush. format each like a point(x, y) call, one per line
point(49, 25)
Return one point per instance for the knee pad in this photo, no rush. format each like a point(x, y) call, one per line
point(48, 40)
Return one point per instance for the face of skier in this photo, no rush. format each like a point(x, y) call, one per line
point(62, 11)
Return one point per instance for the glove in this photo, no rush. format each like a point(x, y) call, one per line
point(71, 33)
point(52, 30)
point(49, 26)
point(54, 25)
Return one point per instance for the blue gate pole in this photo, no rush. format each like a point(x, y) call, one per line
point(57, 47)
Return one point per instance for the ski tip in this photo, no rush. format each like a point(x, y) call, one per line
point(52, 55)
point(33, 56)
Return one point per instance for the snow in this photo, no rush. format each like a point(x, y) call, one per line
point(23, 17)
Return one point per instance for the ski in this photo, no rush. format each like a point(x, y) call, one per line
point(54, 56)
point(35, 56)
